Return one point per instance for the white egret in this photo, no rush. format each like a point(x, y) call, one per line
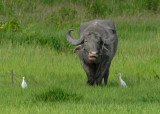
point(121, 81)
point(24, 84)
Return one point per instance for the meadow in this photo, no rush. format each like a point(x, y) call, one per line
point(33, 44)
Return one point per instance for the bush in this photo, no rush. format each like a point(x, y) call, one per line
point(152, 5)
point(56, 95)
point(64, 16)
point(97, 8)
point(12, 25)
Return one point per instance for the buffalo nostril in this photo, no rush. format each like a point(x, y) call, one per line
point(93, 53)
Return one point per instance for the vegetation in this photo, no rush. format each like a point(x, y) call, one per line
point(45, 22)
point(33, 44)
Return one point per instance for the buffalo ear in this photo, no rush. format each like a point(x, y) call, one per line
point(78, 48)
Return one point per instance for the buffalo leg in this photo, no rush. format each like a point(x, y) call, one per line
point(106, 74)
point(90, 80)
point(99, 81)
point(89, 73)
point(106, 77)
point(102, 72)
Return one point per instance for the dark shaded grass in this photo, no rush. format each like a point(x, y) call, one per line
point(56, 95)
point(55, 39)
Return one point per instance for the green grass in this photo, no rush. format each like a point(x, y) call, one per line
point(33, 44)
point(57, 82)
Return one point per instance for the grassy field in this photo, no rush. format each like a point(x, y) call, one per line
point(36, 47)
point(57, 82)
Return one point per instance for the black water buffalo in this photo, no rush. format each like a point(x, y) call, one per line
point(96, 48)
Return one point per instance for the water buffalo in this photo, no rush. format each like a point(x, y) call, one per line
point(96, 47)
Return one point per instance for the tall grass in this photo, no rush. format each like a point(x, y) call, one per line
point(41, 10)
point(46, 22)
point(55, 38)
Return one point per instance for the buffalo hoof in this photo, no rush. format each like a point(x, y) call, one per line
point(91, 83)
point(99, 83)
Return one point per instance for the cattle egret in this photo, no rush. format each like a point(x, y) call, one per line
point(121, 81)
point(24, 84)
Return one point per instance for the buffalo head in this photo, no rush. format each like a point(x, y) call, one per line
point(91, 43)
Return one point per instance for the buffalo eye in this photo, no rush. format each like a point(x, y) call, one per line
point(85, 40)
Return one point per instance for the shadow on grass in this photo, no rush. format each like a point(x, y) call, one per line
point(57, 95)
point(113, 84)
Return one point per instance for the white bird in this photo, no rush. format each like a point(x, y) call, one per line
point(121, 81)
point(24, 84)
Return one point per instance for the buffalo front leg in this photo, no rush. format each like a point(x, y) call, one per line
point(99, 81)
point(103, 72)
point(99, 74)
point(106, 77)
point(89, 73)
point(90, 80)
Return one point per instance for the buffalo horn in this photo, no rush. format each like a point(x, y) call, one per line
point(71, 40)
